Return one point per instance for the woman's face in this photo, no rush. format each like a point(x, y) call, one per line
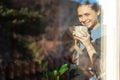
point(87, 16)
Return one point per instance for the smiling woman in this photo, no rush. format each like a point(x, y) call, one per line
point(86, 50)
point(88, 16)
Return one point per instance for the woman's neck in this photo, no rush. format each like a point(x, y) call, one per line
point(97, 25)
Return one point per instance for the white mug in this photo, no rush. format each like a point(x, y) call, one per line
point(78, 28)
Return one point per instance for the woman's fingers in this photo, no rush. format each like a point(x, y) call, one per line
point(84, 32)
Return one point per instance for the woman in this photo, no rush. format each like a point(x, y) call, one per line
point(85, 48)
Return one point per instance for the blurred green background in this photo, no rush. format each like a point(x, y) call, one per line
point(26, 25)
point(30, 32)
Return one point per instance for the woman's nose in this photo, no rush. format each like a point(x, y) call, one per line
point(83, 19)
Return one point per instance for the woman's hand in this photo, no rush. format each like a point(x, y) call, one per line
point(85, 38)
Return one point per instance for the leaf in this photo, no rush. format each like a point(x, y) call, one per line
point(63, 69)
point(44, 66)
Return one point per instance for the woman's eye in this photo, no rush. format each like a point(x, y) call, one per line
point(79, 16)
point(87, 14)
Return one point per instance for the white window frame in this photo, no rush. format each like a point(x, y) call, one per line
point(111, 18)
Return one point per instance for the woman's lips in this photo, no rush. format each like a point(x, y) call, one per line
point(86, 23)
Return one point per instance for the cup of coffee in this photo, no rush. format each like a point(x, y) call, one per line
point(80, 28)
